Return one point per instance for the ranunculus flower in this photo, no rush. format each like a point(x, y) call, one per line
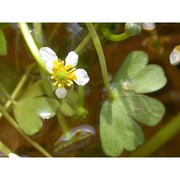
point(64, 73)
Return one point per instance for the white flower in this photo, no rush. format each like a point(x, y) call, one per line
point(63, 73)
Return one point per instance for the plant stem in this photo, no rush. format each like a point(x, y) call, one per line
point(31, 44)
point(15, 125)
point(159, 139)
point(113, 37)
point(83, 43)
point(17, 63)
point(100, 53)
point(62, 122)
point(81, 96)
point(6, 93)
point(53, 32)
point(5, 150)
point(18, 87)
point(37, 28)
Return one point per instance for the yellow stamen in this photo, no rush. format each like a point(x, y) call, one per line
point(63, 75)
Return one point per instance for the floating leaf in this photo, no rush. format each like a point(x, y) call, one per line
point(146, 110)
point(143, 78)
point(3, 44)
point(29, 113)
point(117, 129)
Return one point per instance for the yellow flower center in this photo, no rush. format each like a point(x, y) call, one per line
point(63, 75)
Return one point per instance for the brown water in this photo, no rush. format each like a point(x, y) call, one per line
point(157, 44)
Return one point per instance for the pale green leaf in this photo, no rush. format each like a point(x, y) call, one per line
point(133, 63)
point(136, 75)
point(144, 109)
point(30, 111)
point(117, 130)
point(148, 110)
point(149, 79)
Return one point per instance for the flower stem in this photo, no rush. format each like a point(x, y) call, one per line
point(100, 53)
point(159, 139)
point(31, 44)
point(83, 43)
point(37, 28)
point(15, 125)
point(62, 122)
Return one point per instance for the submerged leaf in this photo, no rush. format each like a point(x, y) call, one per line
point(29, 113)
point(3, 44)
point(35, 90)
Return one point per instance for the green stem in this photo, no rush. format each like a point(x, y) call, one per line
point(18, 87)
point(17, 63)
point(5, 150)
point(100, 53)
point(83, 43)
point(53, 32)
point(6, 93)
point(15, 125)
point(37, 28)
point(62, 122)
point(31, 44)
point(113, 37)
point(81, 96)
point(159, 139)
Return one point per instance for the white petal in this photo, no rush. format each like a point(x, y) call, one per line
point(82, 77)
point(61, 92)
point(71, 59)
point(48, 56)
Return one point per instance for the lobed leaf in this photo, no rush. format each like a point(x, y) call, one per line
point(142, 77)
point(117, 130)
point(29, 113)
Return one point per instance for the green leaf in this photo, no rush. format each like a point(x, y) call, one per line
point(35, 90)
point(3, 44)
point(132, 64)
point(146, 110)
point(30, 111)
point(149, 79)
point(117, 130)
point(139, 76)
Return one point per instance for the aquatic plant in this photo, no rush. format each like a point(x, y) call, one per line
point(28, 102)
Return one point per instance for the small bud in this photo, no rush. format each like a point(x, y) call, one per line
point(133, 28)
point(175, 56)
